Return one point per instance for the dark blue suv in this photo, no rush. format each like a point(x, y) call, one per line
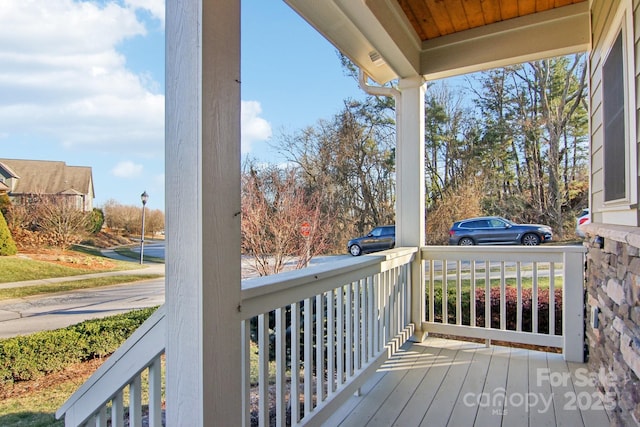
point(494, 230)
point(380, 238)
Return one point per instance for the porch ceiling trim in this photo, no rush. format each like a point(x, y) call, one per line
point(555, 32)
point(366, 30)
point(352, 34)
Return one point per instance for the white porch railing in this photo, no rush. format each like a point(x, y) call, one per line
point(324, 330)
point(457, 278)
point(123, 372)
point(342, 320)
point(332, 326)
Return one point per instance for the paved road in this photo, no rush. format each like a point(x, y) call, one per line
point(152, 248)
point(26, 315)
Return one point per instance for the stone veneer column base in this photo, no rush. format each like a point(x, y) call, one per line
point(612, 317)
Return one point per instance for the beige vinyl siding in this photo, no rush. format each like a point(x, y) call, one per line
point(603, 14)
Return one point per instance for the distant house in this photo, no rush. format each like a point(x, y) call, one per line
point(24, 180)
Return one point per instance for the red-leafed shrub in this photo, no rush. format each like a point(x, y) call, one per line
point(511, 308)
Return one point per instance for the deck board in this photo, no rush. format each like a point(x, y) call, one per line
point(445, 399)
point(387, 413)
point(566, 413)
point(539, 416)
point(515, 412)
point(432, 379)
point(491, 407)
point(584, 390)
point(447, 382)
point(473, 385)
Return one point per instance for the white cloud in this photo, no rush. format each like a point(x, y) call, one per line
point(254, 128)
point(127, 169)
point(63, 78)
point(154, 7)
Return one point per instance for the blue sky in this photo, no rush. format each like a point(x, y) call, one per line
point(83, 82)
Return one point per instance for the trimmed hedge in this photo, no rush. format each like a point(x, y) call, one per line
point(31, 356)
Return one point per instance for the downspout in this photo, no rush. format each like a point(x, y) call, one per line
point(417, 280)
point(383, 91)
point(376, 90)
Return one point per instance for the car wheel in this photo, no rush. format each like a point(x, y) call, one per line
point(355, 250)
point(530, 239)
point(466, 241)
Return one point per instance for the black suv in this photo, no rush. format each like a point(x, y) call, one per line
point(494, 230)
point(380, 238)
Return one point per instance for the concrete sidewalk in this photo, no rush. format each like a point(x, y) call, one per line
point(137, 269)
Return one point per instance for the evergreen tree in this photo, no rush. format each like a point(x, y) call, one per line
point(7, 245)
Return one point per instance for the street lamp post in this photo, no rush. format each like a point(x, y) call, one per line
point(144, 197)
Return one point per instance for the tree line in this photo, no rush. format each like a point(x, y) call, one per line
point(514, 143)
point(127, 219)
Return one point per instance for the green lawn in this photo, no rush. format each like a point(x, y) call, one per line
point(37, 409)
point(17, 268)
point(26, 291)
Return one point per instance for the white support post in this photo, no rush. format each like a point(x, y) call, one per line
point(202, 157)
point(410, 187)
point(573, 307)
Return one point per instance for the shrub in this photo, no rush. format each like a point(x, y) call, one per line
point(7, 244)
point(5, 204)
point(511, 304)
point(31, 356)
point(96, 221)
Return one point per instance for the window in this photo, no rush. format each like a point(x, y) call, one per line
point(615, 131)
point(496, 223)
point(389, 231)
point(478, 223)
point(618, 161)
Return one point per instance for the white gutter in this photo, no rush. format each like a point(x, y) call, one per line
point(377, 90)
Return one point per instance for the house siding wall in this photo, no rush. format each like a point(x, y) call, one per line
point(612, 312)
point(603, 14)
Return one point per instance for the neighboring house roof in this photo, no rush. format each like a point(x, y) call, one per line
point(8, 172)
point(49, 177)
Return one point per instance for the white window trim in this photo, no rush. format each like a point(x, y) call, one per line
point(623, 22)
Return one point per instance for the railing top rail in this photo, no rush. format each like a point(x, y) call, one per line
point(267, 293)
point(543, 253)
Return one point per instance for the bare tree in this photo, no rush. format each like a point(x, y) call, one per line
point(154, 221)
point(62, 221)
point(128, 219)
point(349, 162)
point(274, 205)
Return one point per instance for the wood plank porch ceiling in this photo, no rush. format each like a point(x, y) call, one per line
point(435, 18)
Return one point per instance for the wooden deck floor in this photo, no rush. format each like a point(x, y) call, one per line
point(452, 383)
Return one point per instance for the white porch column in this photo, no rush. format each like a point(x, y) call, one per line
point(410, 186)
point(203, 386)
